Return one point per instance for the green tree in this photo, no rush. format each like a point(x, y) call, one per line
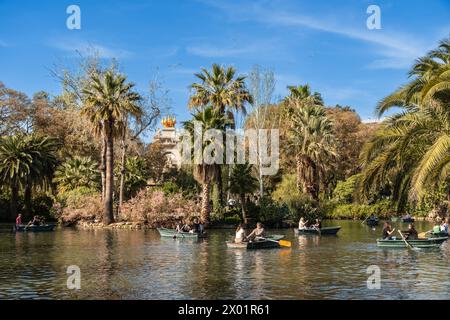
point(77, 172)
point(242, 182)
point(107, 98)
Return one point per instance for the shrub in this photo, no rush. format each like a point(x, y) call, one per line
point(156, 208)
point(78, 204)
point(272, 213)
point(344, 191)
point(383, 209)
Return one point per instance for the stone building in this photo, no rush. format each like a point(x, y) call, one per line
point(168, 138)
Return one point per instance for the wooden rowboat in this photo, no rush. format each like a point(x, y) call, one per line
point(32, 228)
point(172, 233)
point(419, 243)
point(270, 243)
point(323, 231)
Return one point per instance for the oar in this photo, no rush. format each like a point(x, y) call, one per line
point(365, 220)
point(407, 243)
point(283, 243)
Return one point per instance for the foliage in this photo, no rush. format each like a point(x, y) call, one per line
point(382, 209)
point(136, 175)
point(77, 172)
point(345, 190)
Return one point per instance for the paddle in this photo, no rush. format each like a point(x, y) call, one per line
point(407, 243)
point(283, 243)
point(318, 230)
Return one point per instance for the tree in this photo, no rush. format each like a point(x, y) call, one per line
point(310, 141)
point(136, 175)
point(25, 162)
point(14, 111)
point(107, 99)
point(242, 183)
point(411, 149)
point(77, 172)
point(205, 174)
point(225, 92)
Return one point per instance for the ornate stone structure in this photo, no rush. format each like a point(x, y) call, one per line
point(168, 138)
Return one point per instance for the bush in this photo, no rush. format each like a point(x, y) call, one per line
point(78, 204)
point(345, 190)
point(382, 209)
point(155, 208)
point(272, 213)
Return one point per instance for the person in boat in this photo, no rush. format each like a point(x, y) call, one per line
point(444, 226)
point(407, 216)
point(387, 231)
point(197, 227)
point(34, 222)
point(258, 233)
point(372, 217)
point(302, 224)
point(240, 233)
point(411, 233)
point(436, 228)
point(19, 219)
point(317, 224)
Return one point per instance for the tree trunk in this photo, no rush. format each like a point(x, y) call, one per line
point(13, 203)
point(103, 166)
point(244, 211)
point(27, 200)
point(108, 214)
point(122, 172)
point(205, 207)
point(220, 185)
point(298, 162)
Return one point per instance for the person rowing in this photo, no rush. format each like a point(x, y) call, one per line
point(240, 233)
point(302, 224)
point(411, 233)
point(387, 231)
point(444, 226)
point(317, 225)
point(258, 233)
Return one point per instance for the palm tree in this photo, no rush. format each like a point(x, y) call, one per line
point(77, 172)
point(310, 139)
point(204, 173)
point(411, 150)
point(225, 92)
point(242, 182)
point(107, 99)
point(136, 175)
point(26, 162)
point(303, 92)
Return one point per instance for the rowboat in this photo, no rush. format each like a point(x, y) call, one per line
point(172, 233)
point(269, 243)
point(408, 220)
point(32, 228)
point(323, 231)
point(419, 243)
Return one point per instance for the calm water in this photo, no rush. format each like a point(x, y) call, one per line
point(140, 265)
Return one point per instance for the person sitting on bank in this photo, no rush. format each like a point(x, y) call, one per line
point(317, 224)
point(411, 233)
point(302, 224)
point(387, 231)
point(444, 226)
point(240, 234)
point(19, 219)
point(258, 233)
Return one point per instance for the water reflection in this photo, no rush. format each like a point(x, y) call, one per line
point(121, 264)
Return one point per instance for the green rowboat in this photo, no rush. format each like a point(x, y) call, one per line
point(419, 243)
point(172, 233)
point(260, 244)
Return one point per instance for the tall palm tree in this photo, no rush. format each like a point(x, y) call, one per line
point(310, 139)
point(107, 98)
point(303, 92)
point(242, 182)
point(411, 150)
point(26, 162)
point(77, 172)
point(204, 173)
point(225, 92)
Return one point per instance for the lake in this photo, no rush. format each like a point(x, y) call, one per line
point(124, 264)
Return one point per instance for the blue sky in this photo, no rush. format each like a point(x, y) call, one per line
point(323, 43)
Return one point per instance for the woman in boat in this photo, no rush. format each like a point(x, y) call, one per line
point(444, 226)
point(387, 231)
point(317, 224)
point(258, 233)
point(411, 233)
point(240, 233)
point(302, 224)
point(19, 220)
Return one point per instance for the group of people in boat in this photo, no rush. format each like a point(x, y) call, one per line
point(36, 221)
point(305, 224)
point(411, 233)
point(195, 227)
point(256, 235)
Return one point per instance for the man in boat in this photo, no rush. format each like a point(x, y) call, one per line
point(444, 226)
point(317, 225)
point(34, 222)
point(197, 227)
point(302, 224)
point(387, 231)
point(258, 233)
point(411, 233)
point(240, 234)
point(19, 219)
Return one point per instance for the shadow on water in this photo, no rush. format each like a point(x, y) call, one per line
point(122, 264)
